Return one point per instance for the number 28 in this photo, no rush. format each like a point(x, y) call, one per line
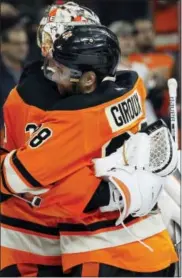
point(41, 137)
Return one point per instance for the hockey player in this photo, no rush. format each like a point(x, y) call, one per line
point(84, 69)
point(26, 237)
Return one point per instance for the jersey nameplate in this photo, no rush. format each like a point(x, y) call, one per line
point(124, 112)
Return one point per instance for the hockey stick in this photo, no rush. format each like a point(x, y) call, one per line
point(172, 85)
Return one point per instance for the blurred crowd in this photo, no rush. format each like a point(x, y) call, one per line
point(149, 45)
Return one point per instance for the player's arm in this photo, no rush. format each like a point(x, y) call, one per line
point(8, 141)
point(6, 144)
point(4, 188)
point(54, 152)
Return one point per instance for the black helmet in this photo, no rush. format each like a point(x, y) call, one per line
point(88, 47)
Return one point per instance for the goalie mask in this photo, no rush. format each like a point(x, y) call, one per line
point(56, 20)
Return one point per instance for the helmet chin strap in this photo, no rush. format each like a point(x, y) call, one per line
point(75, 80)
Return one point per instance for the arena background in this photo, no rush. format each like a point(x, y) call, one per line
point(164, 17)
point(160, 19)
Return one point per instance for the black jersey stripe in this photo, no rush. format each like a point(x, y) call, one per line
point(27, 225)
point(4, 180)
point(20, 167)
point(67, 227)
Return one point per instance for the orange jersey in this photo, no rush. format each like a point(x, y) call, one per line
point(163, 63)
point(100, 240)
point(57, 162)
point(26, 105)
point(23, 112)
point(26, 236)
point(73, 133)
point(155, 61)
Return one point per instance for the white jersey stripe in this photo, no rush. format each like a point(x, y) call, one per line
point(143, 229)
point(33, 244)
point(15, 182)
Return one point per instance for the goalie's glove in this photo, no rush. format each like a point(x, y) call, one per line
point(135, 152)
point(152, 149)
point(138, 189)
point(163, 150)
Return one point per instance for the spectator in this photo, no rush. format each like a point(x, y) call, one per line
point(14, 50)
point(124, 32)
point(144, 35)
point(160, 64)
point(146, 52)
point(8, 9)
point(166, 23)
